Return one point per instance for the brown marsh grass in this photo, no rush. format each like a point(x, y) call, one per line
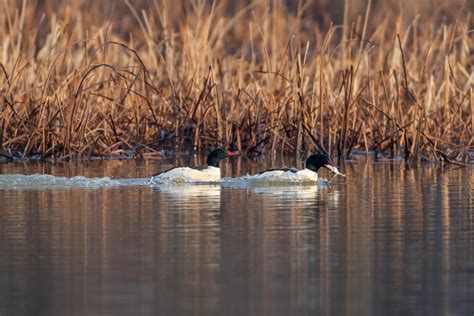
point(88, 78)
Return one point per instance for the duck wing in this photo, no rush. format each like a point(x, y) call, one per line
point(284, 169)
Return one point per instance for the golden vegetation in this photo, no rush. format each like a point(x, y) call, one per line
point(90, 78)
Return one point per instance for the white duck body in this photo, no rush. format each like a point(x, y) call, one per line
point(285, 175)
point(291, 175)
point(188, 175)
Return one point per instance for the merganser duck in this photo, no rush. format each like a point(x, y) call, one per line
point(309, 174)
point(186, 174)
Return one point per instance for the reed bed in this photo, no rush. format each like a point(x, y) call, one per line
point(82, 79)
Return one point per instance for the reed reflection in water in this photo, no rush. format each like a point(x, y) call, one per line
point(385, 240)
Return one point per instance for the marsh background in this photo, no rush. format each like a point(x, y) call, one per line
point(119, 78)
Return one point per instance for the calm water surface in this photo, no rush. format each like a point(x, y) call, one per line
point(386, 240)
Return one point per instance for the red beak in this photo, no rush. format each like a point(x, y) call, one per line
point(232, 153)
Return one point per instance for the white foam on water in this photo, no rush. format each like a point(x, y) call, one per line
point(45, 181)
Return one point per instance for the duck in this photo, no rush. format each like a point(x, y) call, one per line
point(308, 174)
point(188, 175)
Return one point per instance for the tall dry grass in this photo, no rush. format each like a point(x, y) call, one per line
point(81, 78)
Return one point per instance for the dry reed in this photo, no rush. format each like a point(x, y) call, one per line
point(80, 79)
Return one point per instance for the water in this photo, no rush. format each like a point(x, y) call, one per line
point(386, 240)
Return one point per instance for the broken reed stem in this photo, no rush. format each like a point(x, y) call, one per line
point(472, 111)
